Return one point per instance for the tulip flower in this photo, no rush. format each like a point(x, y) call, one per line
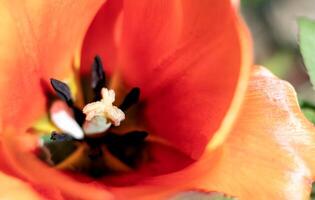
point(203, 117)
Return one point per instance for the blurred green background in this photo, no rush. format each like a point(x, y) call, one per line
point(273, 24)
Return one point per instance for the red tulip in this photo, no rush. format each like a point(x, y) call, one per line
point(230, 127)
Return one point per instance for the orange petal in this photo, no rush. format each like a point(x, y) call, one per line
point(200, 86)
point(38, 41)
point(15, 189)
point(268, 155)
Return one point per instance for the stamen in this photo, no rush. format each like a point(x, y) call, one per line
point(131, 99)
point(98, 77)
point(59, 137)
point(62, 90)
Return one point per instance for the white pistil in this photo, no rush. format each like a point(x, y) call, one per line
point(101, 114)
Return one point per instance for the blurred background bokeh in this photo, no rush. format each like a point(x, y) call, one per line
point(273, 24)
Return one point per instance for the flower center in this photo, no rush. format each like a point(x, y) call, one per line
point(85, 140)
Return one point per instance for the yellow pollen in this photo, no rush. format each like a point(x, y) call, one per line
point(104, 109)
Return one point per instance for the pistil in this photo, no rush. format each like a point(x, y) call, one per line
point(101, 114)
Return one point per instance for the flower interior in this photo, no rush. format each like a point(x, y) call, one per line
point(98, 139)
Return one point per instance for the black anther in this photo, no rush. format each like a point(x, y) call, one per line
point(98, 77)
point(60, 137)
point(131, 98)
point(62, 90)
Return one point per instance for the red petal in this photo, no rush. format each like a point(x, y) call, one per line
point(161, 39)
point(38, 41)
point(268, 155)
point(151, 30)
point(199, 87)
point(99, 39)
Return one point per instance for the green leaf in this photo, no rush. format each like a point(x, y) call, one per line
point(308, 109)
point(307, 45)
point(193, 195)
point(309, 114)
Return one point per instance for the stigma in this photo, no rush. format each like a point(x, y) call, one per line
point(100, 115)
